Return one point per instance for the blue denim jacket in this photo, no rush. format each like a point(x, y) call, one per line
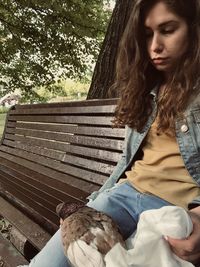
point(188, 138)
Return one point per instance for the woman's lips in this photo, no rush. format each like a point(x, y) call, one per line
point(160, 60)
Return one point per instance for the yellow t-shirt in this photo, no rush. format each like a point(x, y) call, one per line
point(162, 172)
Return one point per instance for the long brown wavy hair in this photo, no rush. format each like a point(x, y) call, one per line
point(136, 76)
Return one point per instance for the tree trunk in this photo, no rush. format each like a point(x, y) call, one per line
point(104, 72)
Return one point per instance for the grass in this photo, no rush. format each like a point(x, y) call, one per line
point(2, 123)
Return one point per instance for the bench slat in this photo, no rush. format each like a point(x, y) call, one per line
point(95, 131)
point(33, 232)
point(104, 155)
point(42, 161)
point(63, 157)
point(85, 163)
point(49, 194)
point(74, 139)
point(64, 119)
point(32, 192)
point(54, 186)
point(58, 176)
point(80, 103)
point(30, 200)
point(53, 154)
point(60, 155)
point(65, 110)
point(9, 256)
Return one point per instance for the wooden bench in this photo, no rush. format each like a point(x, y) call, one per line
point(51, 153)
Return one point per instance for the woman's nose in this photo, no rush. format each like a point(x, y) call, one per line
point(156, 44)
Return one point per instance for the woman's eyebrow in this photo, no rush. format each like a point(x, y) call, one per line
point(164, 24)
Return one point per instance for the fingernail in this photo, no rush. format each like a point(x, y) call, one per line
point(165, 237)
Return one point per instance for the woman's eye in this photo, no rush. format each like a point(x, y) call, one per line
point(167, 31)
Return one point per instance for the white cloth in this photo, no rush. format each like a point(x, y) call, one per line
point(148, 247)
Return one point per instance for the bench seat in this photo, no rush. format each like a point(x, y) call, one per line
point(51, 153)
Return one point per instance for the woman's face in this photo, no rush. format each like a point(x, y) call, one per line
point(166, 37)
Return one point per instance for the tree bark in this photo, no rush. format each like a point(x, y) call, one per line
point(104, 72)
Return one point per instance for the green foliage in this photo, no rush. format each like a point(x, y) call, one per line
point(75, 90)
point(44, 40)
point(3, 109)
point(2, 123)
point(32, 96)
point(62, 90)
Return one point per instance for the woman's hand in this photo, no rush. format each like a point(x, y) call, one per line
point(189, 249)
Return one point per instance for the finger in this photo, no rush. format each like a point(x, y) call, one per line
point(178, 244)
point(195, 258)
point(180, 247)
point(190, 244)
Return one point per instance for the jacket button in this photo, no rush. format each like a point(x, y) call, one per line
point(184, 128)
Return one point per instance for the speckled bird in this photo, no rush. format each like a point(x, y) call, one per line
point(87, 234)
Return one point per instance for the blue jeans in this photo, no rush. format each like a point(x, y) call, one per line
point(122, 202)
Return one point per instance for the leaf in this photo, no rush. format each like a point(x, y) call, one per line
point(41, 38)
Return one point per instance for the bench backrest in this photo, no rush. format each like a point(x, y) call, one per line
point(57, 152)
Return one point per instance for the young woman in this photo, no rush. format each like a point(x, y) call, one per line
point(158, 72)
